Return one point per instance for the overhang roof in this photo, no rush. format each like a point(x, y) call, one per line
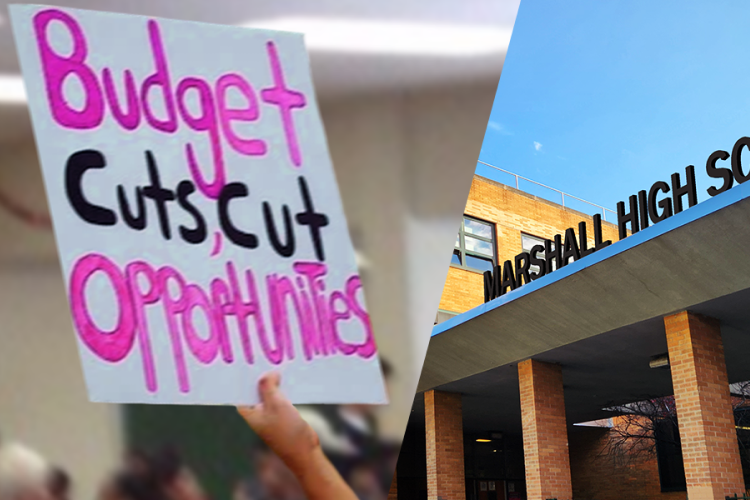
point(691, 258)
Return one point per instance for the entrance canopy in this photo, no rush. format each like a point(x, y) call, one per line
point(601, 318)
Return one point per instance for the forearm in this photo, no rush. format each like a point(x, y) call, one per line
point(320, 480)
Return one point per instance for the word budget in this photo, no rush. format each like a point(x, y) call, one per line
point(139, 285)
point(216, 118)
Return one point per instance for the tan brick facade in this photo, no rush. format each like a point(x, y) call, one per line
point(704, 408)
point(512, 212)
point(545, 431)
point(599, 472)
point(445, 446)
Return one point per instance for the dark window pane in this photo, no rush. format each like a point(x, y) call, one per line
point(456, 258)
point(669, 456)
point(478, 263)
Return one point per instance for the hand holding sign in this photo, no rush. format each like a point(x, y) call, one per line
point(288, 435)
point(198, 222)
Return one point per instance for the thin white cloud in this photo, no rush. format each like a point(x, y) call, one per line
point(538, 146)
point(498, 128)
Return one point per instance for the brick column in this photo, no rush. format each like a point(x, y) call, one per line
point(445, 446)
point(393, 492)
point(704, 407)
point(545, 431)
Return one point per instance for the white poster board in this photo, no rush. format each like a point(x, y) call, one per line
point(197, 216)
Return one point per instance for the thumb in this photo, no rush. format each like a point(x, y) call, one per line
point(268, 388)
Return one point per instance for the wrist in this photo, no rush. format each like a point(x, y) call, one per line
point(307, 462)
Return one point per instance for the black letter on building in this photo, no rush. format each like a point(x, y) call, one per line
point(688, 189)
point(76, 166)
point(598, 236)
point(523, 262)
point(538, 262)
point(492, 284)
point(737, 160)
point(583, 240)
point(643, 206)
point(719, 173)
point(623, 218)
point(509, 280)
point(570, 248)
point(665, 204)
point(553, 256)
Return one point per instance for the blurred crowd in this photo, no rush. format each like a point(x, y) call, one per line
point(348, 434)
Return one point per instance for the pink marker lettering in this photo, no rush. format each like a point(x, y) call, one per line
point(250, 147)
point(130, 119)
point(115, 345)
point(243, 309)
point(286, 100)
point(313, 343)
point(314, 272)
point(205, 350)
point(173, 307)
point(140, 300)
point(223, 304)
point(336, 316)
point(160, 78)
point(278, 288)
point(368, 348)
point(57, 69)
point(205, 122)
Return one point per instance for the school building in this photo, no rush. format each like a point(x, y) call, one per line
point(608, 378)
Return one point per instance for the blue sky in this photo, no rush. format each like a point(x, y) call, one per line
point(603, 98)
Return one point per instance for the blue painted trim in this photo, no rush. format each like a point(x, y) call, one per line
point(719, 202)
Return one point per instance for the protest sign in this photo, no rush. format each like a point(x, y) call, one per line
point(197, 216)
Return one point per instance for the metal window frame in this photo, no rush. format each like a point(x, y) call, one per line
point(462, 245)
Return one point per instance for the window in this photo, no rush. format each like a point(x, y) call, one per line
point(669, 456)
point(528, 242)
point(475, 245)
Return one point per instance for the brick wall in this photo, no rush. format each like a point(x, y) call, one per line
point(600, 473)
point(545, 432)
point(445, 446)
point(512, 211)
point(704, 408)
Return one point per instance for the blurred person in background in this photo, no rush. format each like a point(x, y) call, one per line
point(60, 484)
point(24, 473)
point(159, 475)
point(349, 437)
point(366, 482)
point(273, 479)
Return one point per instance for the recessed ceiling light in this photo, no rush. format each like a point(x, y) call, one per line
point(392, 37)
point(12, 89)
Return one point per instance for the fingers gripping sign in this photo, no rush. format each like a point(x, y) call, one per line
point(278, 423)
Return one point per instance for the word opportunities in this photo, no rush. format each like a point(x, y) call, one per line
point(315, 311)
